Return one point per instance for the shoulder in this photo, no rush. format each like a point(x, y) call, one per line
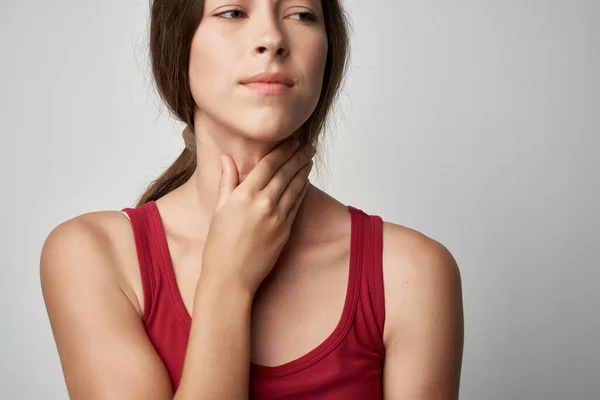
point(421, 279)
point(90, 233)
point(424, 328)
point(84, 234)
point(94, 246)
point(99, 335)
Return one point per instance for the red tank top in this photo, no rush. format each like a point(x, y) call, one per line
point(347, 365)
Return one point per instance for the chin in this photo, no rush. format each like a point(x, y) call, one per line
point(267, 134)
point(271, 128)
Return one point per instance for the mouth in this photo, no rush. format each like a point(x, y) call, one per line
point(270, 77)
point(268, 88)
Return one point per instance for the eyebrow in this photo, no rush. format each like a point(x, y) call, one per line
point(314, 2)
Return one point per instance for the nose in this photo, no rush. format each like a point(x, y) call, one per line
point(277, 50)
point(271, 39)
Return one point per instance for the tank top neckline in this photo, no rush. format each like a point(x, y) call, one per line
point(325, 347)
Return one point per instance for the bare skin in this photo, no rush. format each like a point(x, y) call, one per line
point(423, 331)
point(89, 269)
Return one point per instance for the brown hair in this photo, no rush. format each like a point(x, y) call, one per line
point(172, 26)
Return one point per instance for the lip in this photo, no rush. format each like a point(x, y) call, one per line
point(269, 77)
point(268, 88)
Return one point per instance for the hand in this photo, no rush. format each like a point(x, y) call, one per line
point(252, 221)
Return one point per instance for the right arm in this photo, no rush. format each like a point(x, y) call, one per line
point(254, 218)
point(218, 355)
point(104, 350)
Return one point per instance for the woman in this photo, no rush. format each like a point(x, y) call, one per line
point(292, 294)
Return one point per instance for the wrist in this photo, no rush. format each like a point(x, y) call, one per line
point(222, 291)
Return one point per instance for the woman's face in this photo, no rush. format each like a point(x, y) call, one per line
point(237, 39)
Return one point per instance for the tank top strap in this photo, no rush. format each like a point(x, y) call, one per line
point(374, 269)
point(147, 245)
point(372, 298)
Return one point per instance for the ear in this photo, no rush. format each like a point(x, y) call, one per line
point(189, 137)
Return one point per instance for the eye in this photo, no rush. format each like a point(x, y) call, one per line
point(309, 17)
point(231, 11)
point(305, 16)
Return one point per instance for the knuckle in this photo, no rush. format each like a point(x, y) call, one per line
point(284, 175)
point(265, 205)
point(278, 220)
point(282, 238)
point(245, 195)
point(309, 168)
point(304, 155)
point(303, 175)
point(307, 159)
point(270, 164)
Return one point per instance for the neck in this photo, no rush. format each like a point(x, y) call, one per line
point(194, 202)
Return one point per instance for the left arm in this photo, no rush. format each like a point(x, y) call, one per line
point(424, 326)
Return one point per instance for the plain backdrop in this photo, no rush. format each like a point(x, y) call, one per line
point(475, 122)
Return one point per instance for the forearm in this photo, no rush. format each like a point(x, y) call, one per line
point(217, 360)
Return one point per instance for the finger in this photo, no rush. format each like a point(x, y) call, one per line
point(262, 173)
point(292, 191)
point(296, 206)
point(282, 178)
point(228, 182)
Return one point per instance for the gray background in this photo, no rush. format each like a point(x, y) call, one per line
point(475, 122)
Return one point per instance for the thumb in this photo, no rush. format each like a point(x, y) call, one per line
point(228, 182)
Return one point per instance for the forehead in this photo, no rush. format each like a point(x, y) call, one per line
point(250, 2)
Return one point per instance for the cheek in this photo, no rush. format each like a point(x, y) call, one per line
point(213, 76)
point(210, 69)
point(321, 52)
point(316, 57)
